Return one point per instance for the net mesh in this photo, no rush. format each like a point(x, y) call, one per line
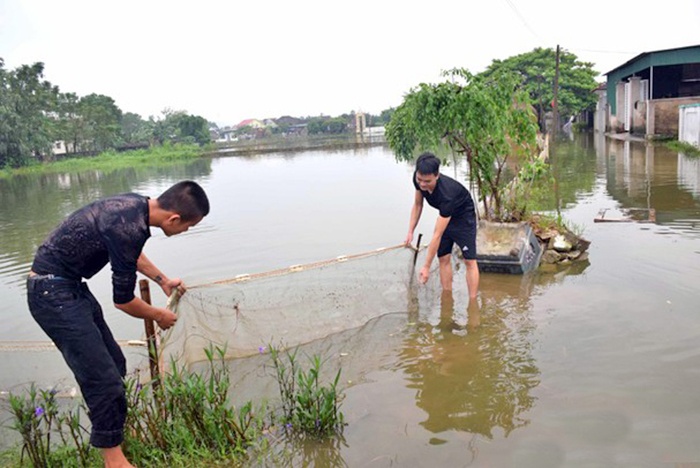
point(290, 306)
point(243, 315)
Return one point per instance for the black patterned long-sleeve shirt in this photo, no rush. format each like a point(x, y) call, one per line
point(112, 230)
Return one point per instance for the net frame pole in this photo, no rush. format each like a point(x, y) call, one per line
point(415, 254)
point(145, 288)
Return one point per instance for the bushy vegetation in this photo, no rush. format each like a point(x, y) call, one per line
point(112, 160)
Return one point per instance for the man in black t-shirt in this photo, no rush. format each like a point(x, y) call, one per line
point(456, 223)
point(112, 230)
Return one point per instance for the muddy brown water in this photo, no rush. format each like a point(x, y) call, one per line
point(591, 365)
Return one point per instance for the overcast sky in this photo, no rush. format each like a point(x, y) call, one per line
point(232, 60)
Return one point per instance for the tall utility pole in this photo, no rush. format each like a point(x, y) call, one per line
point(553, 136)
point(555, 102)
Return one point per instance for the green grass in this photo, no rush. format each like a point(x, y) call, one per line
point(685, 148)
point(112, 160)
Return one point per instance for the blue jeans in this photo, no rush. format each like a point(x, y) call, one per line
point(68, 312)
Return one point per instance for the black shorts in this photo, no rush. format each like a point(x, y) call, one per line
point(460, 231)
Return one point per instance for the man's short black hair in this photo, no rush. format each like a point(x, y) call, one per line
point(428, 163)
point(186, 198)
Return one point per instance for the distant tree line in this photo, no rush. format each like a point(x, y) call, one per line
point(345, 122)
point(35, 117)
point(310, 125)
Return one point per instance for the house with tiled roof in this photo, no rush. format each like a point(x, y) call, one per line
point(252, 123)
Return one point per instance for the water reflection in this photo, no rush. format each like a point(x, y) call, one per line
point(475, 375)
point(302, 451)
point(644, 175)
point(575, 166)
point(635, 174)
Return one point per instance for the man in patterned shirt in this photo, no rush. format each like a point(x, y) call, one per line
point(112, 230)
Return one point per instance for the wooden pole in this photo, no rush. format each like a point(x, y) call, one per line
point(555, 132)
point(555, 101)
point(415, 254)
point(150, 333)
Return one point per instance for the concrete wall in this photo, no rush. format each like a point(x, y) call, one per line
point(600, 119)
point(639, 118)
point(637, 107)
point(663, 115)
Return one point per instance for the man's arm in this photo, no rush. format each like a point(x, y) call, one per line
point(140, 309)
point(147, 268)
point(440, 226)
point(415, 216)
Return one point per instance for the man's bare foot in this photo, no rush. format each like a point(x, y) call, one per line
point(114, 458)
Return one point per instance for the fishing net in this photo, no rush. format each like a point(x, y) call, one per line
point(291, 306)
point(245, 314)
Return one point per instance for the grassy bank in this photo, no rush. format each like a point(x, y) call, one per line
point(159, 155)
point(111, 160)
point(685, 148)
point(280, 143)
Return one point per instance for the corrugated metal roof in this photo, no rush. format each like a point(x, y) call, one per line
point(654, 52)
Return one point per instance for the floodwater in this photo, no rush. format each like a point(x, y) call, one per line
point(592, 365)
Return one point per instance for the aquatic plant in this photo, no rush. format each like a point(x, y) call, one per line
point(685, 148)
point(186, 415)
point(308, 406)
point(181, 419)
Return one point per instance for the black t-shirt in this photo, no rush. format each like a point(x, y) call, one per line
point(450, 197)
point(112, 230)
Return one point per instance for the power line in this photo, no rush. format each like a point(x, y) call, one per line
point(604, 51)
point(522, 18)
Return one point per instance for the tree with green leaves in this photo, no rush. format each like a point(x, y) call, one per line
point(179, 126)
point(70, 123)
point(164, 128)
point(488, 119)
point(193, 128)
point(536, 70)
point(27, 105)
point(134, 130)
point(102, 120)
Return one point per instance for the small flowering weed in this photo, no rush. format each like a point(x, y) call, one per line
point(51, 436)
